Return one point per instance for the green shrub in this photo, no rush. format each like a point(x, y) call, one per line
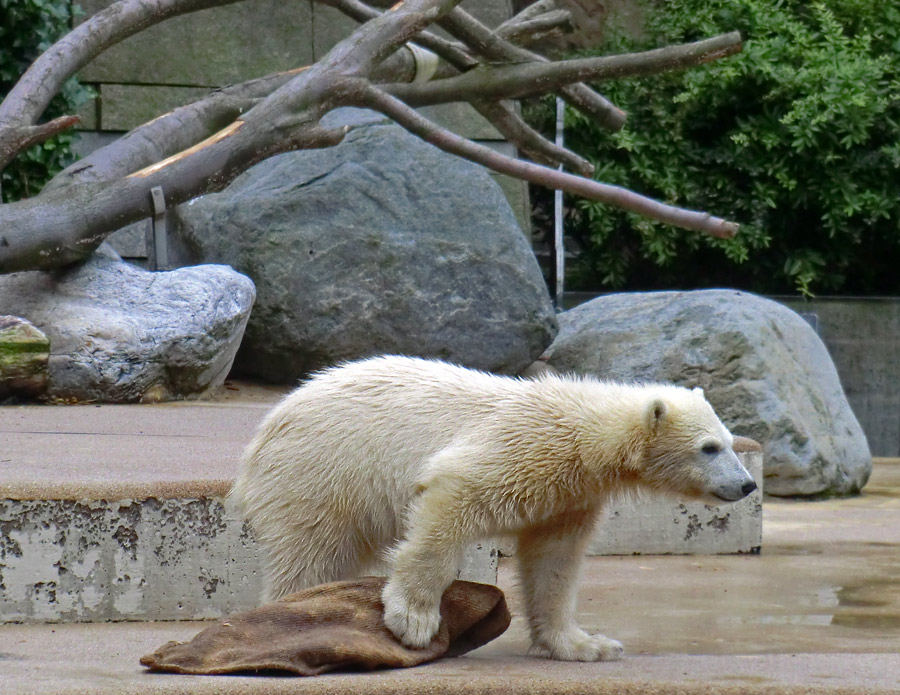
point(797, 138)
point(27, 28)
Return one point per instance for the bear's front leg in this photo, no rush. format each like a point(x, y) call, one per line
point(424, 566)
point(550, 560)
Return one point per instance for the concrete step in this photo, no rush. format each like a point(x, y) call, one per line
point(117, 512)
point(662, 526)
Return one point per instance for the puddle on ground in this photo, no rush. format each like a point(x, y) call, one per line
point(826, 603)
point(881, 622)
point(875, 595)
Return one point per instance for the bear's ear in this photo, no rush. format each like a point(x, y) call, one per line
point(699, 392)
point(656, 414)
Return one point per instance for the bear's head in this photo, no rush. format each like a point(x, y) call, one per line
point(688, 451)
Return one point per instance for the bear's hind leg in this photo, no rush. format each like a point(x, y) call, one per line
point(550, 559)
point(310, 559)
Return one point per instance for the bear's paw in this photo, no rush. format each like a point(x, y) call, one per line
point(412, 625)
point(578, 645)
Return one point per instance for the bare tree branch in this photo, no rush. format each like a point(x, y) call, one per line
point(201, 147)
point(510, 125)
point(22, 137)
point(528, 79)
point(533, 173)
point(455, 55)
point(66, 224)
point(187, 125)
point(484, 42)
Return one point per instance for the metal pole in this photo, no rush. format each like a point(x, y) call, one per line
point(559, 252)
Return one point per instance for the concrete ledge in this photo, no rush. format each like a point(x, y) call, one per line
point(134, 525)
point(150, 559)
point(661, 526)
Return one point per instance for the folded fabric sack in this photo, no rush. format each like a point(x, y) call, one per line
point(332, 626)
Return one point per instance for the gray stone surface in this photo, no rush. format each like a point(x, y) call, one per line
point(763, 368)
point(382, 244)
point(121, 334)
point(24, 353)
point(81, 561)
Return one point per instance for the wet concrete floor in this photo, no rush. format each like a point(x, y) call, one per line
point(827, 581)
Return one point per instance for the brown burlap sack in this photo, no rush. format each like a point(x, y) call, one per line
point(332, 626)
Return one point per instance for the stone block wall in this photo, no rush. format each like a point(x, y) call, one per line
point(862, 336)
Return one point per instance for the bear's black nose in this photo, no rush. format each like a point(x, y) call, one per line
point(748, 487)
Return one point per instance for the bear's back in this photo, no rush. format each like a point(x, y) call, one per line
point(370, 426)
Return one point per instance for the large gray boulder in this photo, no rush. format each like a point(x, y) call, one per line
point(764, 370)
point(122, 334)
point(382, 244)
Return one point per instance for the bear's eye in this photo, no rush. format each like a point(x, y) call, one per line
point(710, 449)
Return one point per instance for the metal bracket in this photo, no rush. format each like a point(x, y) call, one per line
point(157, 238)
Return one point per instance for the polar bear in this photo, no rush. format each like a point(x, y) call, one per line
point(405, 460)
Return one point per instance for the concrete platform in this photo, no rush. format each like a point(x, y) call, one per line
point(116, 512)
point(186, 449)
point(817, 612)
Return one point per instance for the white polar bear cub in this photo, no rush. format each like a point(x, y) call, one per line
point(422, 457)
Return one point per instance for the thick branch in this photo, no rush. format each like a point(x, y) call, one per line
point(529, 79)
point(533, 173)
point(27, 100)
point(187, 125)
point(67, 224)
point(486, 43)
point(535, 9)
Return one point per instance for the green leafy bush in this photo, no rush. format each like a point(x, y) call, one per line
point(797, 138)
point(27, 28)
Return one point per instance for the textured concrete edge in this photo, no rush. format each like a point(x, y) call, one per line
point(661, 526)
point(113, 491)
